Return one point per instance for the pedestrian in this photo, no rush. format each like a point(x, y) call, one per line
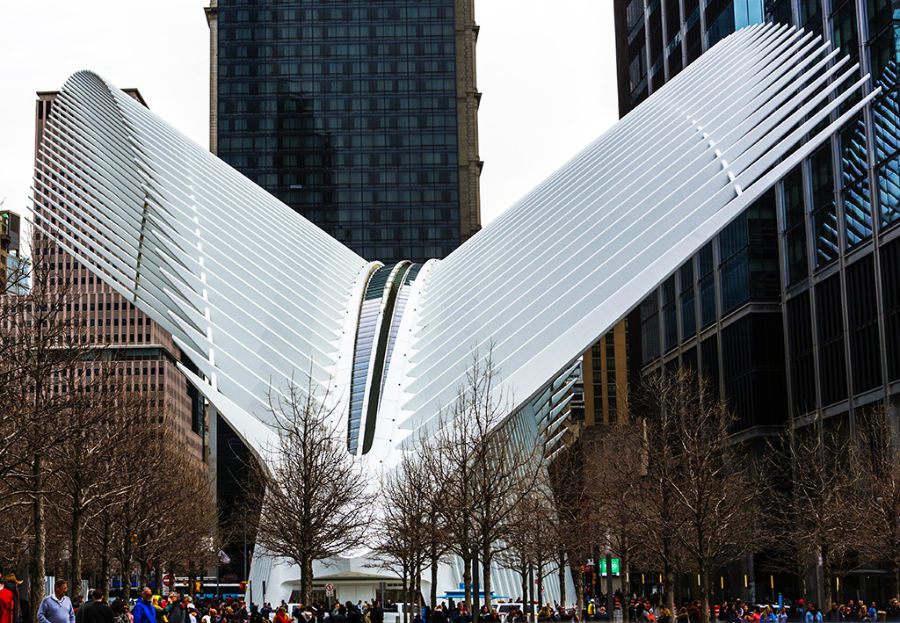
point(143, 611)
point(10, 604)
point(813, 615)
point(119, 613)
point(95, 610)
point(175, 610)
point(57, 608)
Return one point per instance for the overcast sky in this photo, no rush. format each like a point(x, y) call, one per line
point(546, 69)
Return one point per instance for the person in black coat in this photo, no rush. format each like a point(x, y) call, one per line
point(95, 611)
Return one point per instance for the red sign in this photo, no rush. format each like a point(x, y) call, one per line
point(167, 580)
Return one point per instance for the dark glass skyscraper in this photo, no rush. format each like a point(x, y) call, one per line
point(361, 115)
point(793, 310)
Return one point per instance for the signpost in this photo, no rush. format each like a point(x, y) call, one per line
point(614, 565)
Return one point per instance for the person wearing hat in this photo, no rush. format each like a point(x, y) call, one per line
point(10, 608)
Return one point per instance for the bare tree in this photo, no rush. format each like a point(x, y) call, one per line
point(481, 469)
point(715, 487)
point(407, 501)
point(89, 463)
point(877, 440)
point(310, 489)
point(532, 538)
point(44, 348)
point(615, 461)
point(822, 522)
point(570, 490)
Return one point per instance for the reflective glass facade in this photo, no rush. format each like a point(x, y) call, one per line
point(350, 112)
point(798, 295)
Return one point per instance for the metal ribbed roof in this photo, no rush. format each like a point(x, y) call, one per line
point(256, 294)
point(541, 283)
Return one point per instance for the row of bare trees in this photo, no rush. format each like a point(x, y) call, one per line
point(674, 490)
point(671, 490)
point(92, 479)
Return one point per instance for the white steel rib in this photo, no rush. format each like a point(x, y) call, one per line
point(256, 295)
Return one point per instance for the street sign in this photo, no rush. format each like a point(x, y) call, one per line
point(167, 580)
point(615, 566)
point(329, 590)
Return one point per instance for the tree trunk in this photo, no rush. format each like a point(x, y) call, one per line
point(704, 594)
point(669, 587)
point(486, 579)
point(524, 581)
point(897, 580)
point(76, 530)
point(417, 596)
point(821, 574)
point(125, 564)
point(467, 581)
point(561, 569)
point(143, 574)
point(306, 580)
point(476, 588)
point(104, 562)
point(434, 574)
point(578, 579)
point(127, 561)
point(405, 592)
point(39, 551)
point(540, 584)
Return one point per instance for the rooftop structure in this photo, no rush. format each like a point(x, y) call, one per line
point(536, 287)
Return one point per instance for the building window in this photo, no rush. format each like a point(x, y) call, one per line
point(650, 327)
point(669, 314)
point(795, 226)
point(862, 317)
point(829, 318)
point(707, 283)
point(890, 284)
point(824, 214)
point(688, 312)
point(800, 343)
point(709, 355)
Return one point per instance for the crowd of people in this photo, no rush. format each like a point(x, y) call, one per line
point(640, 610)
point(178, 608)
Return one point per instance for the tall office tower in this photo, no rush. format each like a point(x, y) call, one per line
point(793, 310)
point(145, 352)
point(361, 115)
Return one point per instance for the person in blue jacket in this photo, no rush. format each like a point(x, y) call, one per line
point(143, 608)
point(813, 615)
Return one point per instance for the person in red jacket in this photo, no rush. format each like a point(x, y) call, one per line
point(10, 609)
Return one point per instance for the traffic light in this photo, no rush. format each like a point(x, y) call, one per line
point(196, 587)
point(243, 587)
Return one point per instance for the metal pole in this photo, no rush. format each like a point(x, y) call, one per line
point(245, 548)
